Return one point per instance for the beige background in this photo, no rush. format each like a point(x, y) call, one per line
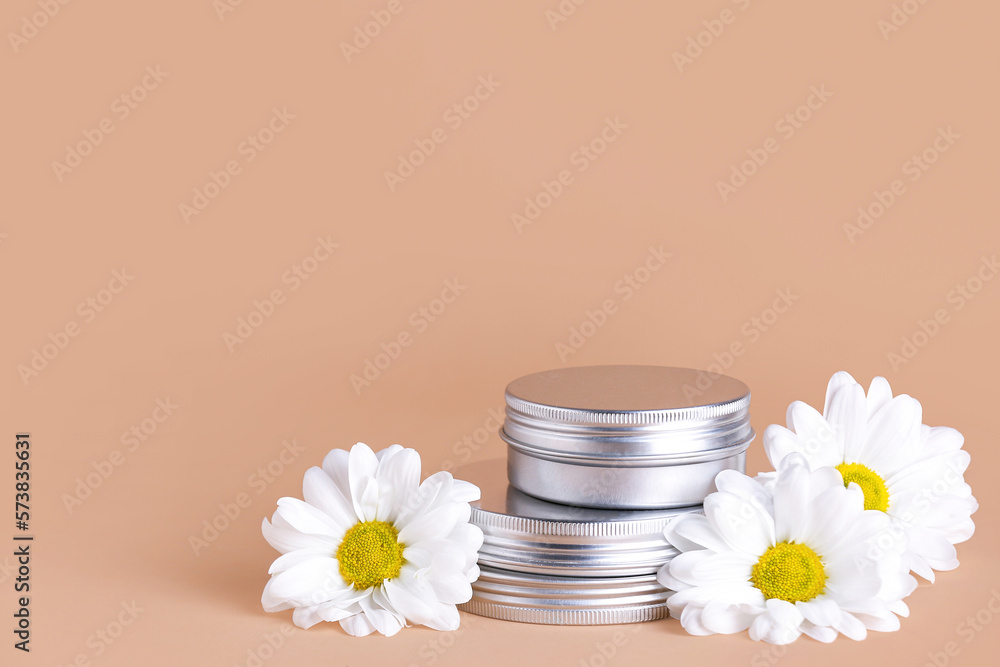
point(62, 235)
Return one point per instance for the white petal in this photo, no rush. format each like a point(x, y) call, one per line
point(839, 380)
point(386, 621)
point(893, 436)
point(305, 518)
point(306, 617)
point(293, 558)
point(433, 492)
point(847, 414)
point(336, 611)
point(879, 394)
point(362, 465)
point(779, 442)
point(940, 439)
point(732, 481)
point(835, 513)
point(689, 532)
point(322, 493)
point(690, 618)
point(357, 625)
point(452, 589)
point(465, 492)
point(398, 477)
point(286, 539)
point(743, 523)
point(726, 619)
point(820, 611)
point(705, 568)
point(819, 441)
point(336, 464)
point(745, 595)
point(931, 545)
point(780, 624)
point(821, 634)
point(388, 452)
point(447, 619)
point(309, 583)
point(435, 524)
point(851, 627)
point(792, 494)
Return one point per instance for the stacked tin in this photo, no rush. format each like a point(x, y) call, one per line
point(599, 460)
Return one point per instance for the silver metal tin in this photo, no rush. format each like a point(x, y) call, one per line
point(527, 535)
point(624, 437)
point(533, 598)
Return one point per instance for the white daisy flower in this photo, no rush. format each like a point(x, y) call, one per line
point(372, 547)
point(912, 472)
point(790, 560)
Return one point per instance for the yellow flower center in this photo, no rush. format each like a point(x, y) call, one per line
point(370, 554)
point(789, 571)
point(876, 493)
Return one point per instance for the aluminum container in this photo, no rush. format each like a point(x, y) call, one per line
point(547, 563)
point(624, 437)
point(533, 598)
point(524, 534)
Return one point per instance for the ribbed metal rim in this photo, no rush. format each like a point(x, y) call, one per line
point(516, 524)
point(626, 418)
point(629, 460)
point(610, 616)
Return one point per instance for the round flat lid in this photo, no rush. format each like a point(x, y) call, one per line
point(592, 390)
point(652, 414)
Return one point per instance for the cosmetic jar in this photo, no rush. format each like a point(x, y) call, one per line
point(547, 563)
point(624, 437)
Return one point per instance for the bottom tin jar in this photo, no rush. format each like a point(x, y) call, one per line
point(535, 598)
point(543, 562)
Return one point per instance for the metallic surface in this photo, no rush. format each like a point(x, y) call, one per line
point(531, 598)
point(624, 437)
point(525, 534)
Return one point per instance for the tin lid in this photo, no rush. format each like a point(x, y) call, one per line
point(627, 415)
point(524, 534)
point(532, 598)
